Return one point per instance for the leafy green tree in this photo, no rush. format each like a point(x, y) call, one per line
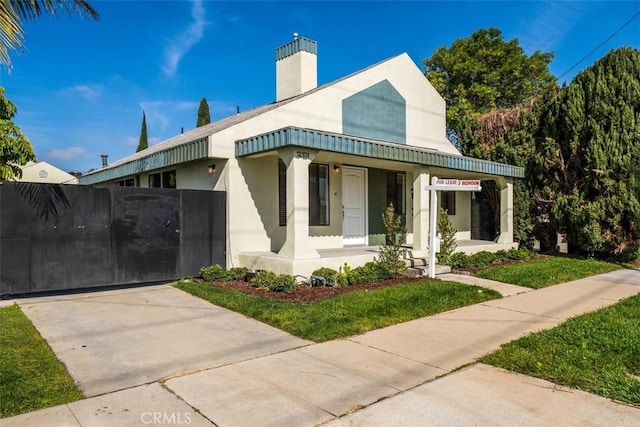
point(587, 157)
point(204, 118)
point(13, 13)
point(482, 73)
point(15, 148)
point(144, 143)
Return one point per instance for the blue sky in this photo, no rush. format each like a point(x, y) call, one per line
point(80, 86)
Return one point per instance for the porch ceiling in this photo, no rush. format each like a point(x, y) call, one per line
point(338, 143)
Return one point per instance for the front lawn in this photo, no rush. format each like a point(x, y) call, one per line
point(347, 314)
point(546, 271)
point(597, 352)
point(31, 376)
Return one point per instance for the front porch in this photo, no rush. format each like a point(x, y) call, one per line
point(353, 256)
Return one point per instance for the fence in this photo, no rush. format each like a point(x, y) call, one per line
point(60, 237)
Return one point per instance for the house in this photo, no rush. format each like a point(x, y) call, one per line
point(45, 173)
point(308, 176)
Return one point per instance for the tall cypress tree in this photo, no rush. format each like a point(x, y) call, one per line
point(144, 143)
point(203, 113)
point(594, 155)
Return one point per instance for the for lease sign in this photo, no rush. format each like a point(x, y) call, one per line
point(458, 182)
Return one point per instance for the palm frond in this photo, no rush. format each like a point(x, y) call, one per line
point(14, 12)
point(49, 199)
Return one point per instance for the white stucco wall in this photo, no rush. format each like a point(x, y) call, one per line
point(45, 173)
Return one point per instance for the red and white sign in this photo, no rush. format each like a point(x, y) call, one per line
point(458, 182)
point(455, 185)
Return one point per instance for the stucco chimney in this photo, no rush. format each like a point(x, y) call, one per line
point(296, 67)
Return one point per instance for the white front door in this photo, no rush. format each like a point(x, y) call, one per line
point(354, 202)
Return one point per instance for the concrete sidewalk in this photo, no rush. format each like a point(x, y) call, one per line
point(374, 378)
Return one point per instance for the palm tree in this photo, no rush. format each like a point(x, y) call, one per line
point(14, 12)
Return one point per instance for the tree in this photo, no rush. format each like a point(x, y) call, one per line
point(203, 113)
point(14, 12)
point(144, 143)
point(15, 148)
point(447, 237)
point(482, 73)
point(585, 171)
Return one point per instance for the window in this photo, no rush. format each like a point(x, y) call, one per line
point(318, 194)
point(130, 182)
point(166, 179)
point(396, 191)
point(282, 192)
point(154, 181)
point(448, 201)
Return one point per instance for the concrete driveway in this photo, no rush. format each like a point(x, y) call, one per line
point(118, 339)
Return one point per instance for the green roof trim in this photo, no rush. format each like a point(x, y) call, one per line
point(194, 150)
point(337, 143)
point(298, 44)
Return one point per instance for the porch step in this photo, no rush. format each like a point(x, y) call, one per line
point(423, 270)
point(415, 262)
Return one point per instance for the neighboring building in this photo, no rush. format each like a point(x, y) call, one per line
point(45, 173)
point(308, 177)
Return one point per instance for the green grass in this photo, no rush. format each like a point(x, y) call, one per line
point(597, 352)
point(31, 377)
point(546, 271)
point(347, 314)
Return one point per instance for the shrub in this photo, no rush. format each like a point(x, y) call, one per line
point(343, 275)
point(396, 233)
point(459, 260)
point(518, 254)
point(215, 273)
point(237, 273)
point(482, 258)
point(274, 282)
point(447, 238)
point(328, 274)
point(371, 272)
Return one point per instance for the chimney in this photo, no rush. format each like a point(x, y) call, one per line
point(104, 160)
point(296, 67)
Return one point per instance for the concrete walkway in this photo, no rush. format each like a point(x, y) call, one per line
point(505, 289)
point(114, 340)
point(384, 377)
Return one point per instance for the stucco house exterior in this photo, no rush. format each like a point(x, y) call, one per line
point(45, 173)
point(308, 176)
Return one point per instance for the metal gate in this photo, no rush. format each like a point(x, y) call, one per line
point(58, 237)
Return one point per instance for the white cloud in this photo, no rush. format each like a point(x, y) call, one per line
point(69, 153)
point(87, 91)
point(179, 46)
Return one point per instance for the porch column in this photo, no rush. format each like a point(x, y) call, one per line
point(506, 210)
point(421, 179)
point(297, 244)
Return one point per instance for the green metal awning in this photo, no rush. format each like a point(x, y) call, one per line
point(337, 143)
point(193, 150)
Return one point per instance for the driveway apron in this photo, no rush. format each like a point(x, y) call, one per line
point(113, 340)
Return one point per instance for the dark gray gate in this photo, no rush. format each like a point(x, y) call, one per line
point(57, 237)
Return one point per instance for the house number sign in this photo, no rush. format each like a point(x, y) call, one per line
point(302, 155)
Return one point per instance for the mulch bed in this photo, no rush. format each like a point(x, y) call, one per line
point(306, 293)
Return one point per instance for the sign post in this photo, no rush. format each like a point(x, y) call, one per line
point(443, 185)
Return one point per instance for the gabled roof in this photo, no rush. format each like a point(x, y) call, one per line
point(192, 145)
